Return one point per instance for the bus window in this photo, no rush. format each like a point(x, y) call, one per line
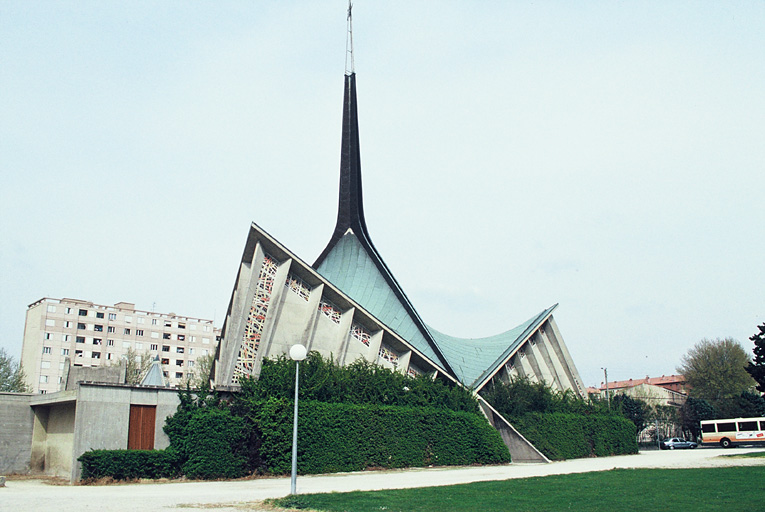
point(762, 425)
point(726, 427)
point(747, 426)
point(709, 427)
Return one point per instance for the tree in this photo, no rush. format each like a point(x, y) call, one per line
point(757, 368)
point(202, 368)
point(12, 377)
point(692, 412)
point(633, 409)
point(716, 369)
point(136, 365)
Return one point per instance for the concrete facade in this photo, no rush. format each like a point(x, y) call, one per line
point(91, 335)
point(15, 433)
point(55, 429)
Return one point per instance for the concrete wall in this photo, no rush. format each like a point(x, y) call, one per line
point(103, 418)
point(15, 433)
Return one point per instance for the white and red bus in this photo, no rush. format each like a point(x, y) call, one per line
point(733, 431)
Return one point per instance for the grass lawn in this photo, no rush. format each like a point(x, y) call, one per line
point(635, 490)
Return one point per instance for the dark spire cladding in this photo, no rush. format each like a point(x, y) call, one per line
point(350, 211)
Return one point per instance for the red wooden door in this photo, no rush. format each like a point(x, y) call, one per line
point(141, 427)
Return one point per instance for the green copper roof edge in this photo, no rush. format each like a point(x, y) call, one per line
point(535, 322)
point(544, 315)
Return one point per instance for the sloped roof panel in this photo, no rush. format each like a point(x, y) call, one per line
point(349, 267)
point(474, 359)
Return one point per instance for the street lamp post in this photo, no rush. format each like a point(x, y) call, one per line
point(608, 397)
point(297, 354)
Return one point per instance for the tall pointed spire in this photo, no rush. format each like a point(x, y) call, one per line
point(351, 236)
point(350, 210)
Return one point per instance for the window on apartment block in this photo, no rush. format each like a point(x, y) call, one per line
point(80, 325)
point(96, 355)
point(181, 326)
point(165, 361)
point(126, 344)
point(46, 350)
point(126, 331)
point(165, 348)
point(205, 340)
point(83, 312)
point(206, 328)
point(154, 347)
point(165, 335)
point(111, 329)
point(45, 365)
point(65, 337)
point(97, 341)
point(80, 339)
point(179, 350)
point(168, 323)
point(178, 375)
point(155, 335)
point(128, 319)
point(64, 351)
point(99, 314)
point(191, 363)
point(140, 319)
point(166, 374)
point(50, 322)
point(139, 346)
point(78, 353)
point(43, 379)
point(192, 339)
point(51, 308)
point(139, 332)
point(98, 328)
point(179, 362)
point(109, 356)
point(47, 335)
point(181, 337)
point(110, 343)
point(153, 321)
point(191, 351)
point(112, 316)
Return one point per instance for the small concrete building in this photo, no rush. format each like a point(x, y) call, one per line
point(45, 434)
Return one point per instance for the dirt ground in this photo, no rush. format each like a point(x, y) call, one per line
point(28, 494)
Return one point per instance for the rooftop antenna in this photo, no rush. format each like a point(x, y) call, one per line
point(349, 69)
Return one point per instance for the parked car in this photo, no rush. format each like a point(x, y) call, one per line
point(677, 442)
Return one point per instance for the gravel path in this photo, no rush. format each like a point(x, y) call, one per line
point(236, 496)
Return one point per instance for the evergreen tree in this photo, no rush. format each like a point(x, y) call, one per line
point(757, 368)
point(12, 378)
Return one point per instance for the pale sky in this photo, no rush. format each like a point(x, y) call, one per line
point(607, 156)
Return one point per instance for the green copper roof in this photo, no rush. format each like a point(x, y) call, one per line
point(349, 267)
point(474, 359)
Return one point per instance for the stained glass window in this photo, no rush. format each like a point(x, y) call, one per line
point(360, 334)
point(330, 310)
point(256, 319)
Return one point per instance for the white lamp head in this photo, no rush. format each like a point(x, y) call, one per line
point(298, 352)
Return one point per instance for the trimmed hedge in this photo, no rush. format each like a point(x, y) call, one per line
point(336, 437)
point(129, 464)
point(210, 442)
point(569, 436)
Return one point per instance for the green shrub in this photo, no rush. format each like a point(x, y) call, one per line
point(569, 436)
point(210, 442)
point(361, 382)
point(129, 464)
point(345, 437)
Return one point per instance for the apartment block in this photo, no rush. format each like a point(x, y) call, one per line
point(96, 335)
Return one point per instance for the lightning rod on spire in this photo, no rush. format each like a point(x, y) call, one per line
point(350, 67)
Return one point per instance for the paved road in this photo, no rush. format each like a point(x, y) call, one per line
point(236, 496)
